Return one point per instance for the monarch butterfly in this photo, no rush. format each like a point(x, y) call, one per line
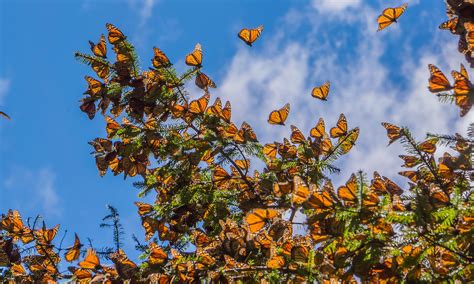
point(124, 266)
point(347, 192)
point(249, 36)
point(226, 112)
point(18, 269)
point(450, 25)
point(349, 140)
point(99, 49)
point(46, 236)
point(216, 108)
point(341, 127)
point(297, 136)
point(322, 200)
point(150, 225)
point(199, 106)
point(4, 115)
point(91, 261)
point(95, 86)
point(300, 191)
point(326, 145)
point(378, 184)
point(112, 127)
point(243, 164)
point(438, 81)
point(247, 132)
point(259, 217)
point(300, 254)
point(409, 161)
point(382, 185)
point(462, 92)
point(279, 116)
point(322, 91)
point(318, 233)
point(270, 150)
point(195, 58)
point(143, 208)
point(200, 238)
point(203, 81)
point(73, 252)
point(319, 130)
point(160, 59)
point(429, 146)
point(220, 176)
point(281, 188)
point(276, 262)
point(438, 197)
point(115, 35)
point(157, 254)
point(390, 16)
point(370, 200)
point(411, 175)
point(102, 69)
point(393, 132)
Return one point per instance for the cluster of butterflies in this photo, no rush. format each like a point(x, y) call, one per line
point(464, 27)
point(444, 172)
point(319, 141)
point(462, 89)
point(43, 266)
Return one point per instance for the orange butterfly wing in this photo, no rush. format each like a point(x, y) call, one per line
point(348, 192)
point(195, 58)
point(199, 106)
point(99, 49)
point(160, 59)
point(249, 36)
point(390, 16)
point(438, 81)
point(279, 116)
point(115, 35)
point(319, 130)
point(341, 127)
point(258, 218)
point(91, 261)
point(74, 252)
point(322, 91)
point(204, 82)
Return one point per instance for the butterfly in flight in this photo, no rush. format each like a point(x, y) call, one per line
point(322, 91)
point(390, 16)
point(279, 116)
point(249, 36)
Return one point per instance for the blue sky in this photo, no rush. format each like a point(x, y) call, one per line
point(45, 166)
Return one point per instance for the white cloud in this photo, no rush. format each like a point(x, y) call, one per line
point(365, 88)
point(38, 186)
point(144, 9)
point(334, 5)
point(4, 88)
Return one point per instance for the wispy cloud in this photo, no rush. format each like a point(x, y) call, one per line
point(4, 88)
point(334, 5)
point(144, 9)
point(39, 188)
point(366, 88)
